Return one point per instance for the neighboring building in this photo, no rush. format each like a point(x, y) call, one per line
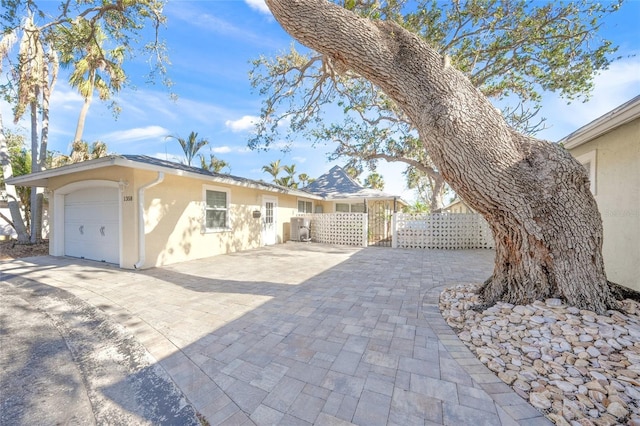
point(138, 212)
point(457, 206)
point(342, 194)
point(609, 147)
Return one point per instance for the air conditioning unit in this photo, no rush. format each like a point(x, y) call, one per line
point(300, 229)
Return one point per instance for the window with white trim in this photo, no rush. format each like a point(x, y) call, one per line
point(216, 209)
point(342, 208)
point(305, 206)
point(353, 208)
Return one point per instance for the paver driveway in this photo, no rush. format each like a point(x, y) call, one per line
point(304, 333)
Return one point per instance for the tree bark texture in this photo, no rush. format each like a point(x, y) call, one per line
point(535, 196)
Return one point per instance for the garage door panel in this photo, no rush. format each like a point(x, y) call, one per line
point(92, 224)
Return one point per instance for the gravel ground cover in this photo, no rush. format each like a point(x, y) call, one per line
point(577, 367)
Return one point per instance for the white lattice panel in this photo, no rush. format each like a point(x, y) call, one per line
point(442, 231)
point(339, 228)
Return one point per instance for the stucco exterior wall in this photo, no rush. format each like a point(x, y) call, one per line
point(115, 174)
point(174, 211)
point(173, 216)
point(617, 192)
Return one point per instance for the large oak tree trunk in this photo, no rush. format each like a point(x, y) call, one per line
point(535, 196)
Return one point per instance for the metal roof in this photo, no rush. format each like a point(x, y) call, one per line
point(153, 164)
point(337, 184)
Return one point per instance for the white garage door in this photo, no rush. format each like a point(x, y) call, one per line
point(91, 228)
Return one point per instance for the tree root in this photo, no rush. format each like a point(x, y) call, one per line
point(621, 292)
point(618, 291)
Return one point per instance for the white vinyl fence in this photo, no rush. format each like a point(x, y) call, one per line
point(414, 231)
point(441, 231)
point(349, 229)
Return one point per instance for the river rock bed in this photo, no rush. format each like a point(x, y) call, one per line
point(577, 367)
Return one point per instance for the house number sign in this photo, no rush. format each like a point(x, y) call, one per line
point(128, 198)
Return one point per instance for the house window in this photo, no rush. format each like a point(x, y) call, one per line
point(357, 208)
point(268, 212)
point(342, 208)
point(305, 206)
point(353, 208)
point(216, 209)
point(588, 160)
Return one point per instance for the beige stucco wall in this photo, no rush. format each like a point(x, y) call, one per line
point(113, 174)
point(173, 215)
point(617, 189)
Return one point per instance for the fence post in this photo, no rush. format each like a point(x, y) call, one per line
point(394, 234)
point(365, 229)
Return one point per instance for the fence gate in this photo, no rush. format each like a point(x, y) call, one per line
point(380, 214)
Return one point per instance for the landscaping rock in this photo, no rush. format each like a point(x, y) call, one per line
point(578, 367)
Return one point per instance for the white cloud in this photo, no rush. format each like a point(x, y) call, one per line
point(136, 134)
point(299, 159)
point(259, 6)
point(221, 149)
point(247, 122)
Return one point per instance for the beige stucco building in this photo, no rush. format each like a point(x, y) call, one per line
point(140, 212)
point(137, 211)
point(609, 147)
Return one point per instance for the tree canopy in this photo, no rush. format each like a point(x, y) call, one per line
point(534, 194)
point(513, 51)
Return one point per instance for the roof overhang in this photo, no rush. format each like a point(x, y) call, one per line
point(617, 117)
point(41, 179)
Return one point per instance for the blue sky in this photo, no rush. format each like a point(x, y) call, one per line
point(211, 44)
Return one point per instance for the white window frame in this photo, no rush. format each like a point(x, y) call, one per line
point(335, 207)
point(590, 159)
point(351, 205)
point(306, 202)
point(227, 191)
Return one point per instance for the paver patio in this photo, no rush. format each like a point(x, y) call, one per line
point(303, 333)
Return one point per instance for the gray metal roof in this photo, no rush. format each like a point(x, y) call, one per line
point(337, 184)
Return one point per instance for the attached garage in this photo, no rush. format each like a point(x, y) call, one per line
point(91, 224)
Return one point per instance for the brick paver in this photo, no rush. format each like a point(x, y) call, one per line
point(303, 333)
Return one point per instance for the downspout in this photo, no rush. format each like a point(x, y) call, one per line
point(141, 228)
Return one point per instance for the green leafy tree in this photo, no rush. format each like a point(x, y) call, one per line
point(81, 151)
point(274, 169)
point(190, 146)
point(304, 179)
point(512, 51)
point(535, 196)
point(291, 176)
point(33, 73)
point(374, 181)
point(81, 47)
point(214, 164)
point(15, 161)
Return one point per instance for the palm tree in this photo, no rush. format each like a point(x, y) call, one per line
point(93, 68)
point(190, 146)
point(81, 151)
point(291, 174)
point(214, 165)
point(36, 74)
point(274, 168)
point(285, 181)
point(304, 179)
point(374, 181)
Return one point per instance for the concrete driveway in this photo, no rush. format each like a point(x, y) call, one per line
point(302, 333)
